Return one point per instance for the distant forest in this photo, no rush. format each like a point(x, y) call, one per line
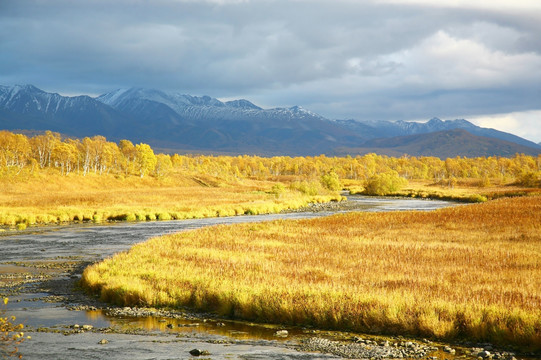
point(20, 155)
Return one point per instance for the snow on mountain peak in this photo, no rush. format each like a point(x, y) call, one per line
point(242, 104)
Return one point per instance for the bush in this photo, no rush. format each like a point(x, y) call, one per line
point(140, 216)
point(130, 217)
point(163, 216)
point(385, 183)
point(307, 188)
point(97, 218)
point(477, 198)
point(278, 189)
point(530, 179)
point(331, 181)
point(151, 217)
point(10, 334)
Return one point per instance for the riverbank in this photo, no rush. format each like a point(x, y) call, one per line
point(50, 264)
point(380, 278)
point(51, 199)
point(181, 331)
point(48, 198)
point(41, 267)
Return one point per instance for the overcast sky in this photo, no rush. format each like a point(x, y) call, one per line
point(360, 59)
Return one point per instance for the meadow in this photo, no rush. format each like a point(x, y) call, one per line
point(471, 272)
point(50, 198)
point(47, 179)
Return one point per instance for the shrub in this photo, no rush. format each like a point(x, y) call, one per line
point(151, 216)
point(139, 216)
point(163, 216)
point(10, 334)
point(278, 189)
point(130, 217)
point(331, 181)
point(530, 179)
point(305, 187)
point(385, 183)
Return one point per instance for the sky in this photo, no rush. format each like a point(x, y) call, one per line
point(344, 59)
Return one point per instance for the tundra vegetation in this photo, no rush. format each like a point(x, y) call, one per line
point(470, 271)
point(47, 179)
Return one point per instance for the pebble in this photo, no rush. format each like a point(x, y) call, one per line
point(358, 349)
point(197, 352)
point(449, 350)
point(103, 342)
point(484, 354)
point(281, 333)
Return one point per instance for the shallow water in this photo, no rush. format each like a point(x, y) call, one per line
point(30, 255)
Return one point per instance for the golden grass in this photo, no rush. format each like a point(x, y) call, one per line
point(50, 198)
point(472, 271)
point(465, 190)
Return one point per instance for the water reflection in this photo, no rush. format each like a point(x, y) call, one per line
point(236, 329)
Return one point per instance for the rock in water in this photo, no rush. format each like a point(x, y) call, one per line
point(197, 352)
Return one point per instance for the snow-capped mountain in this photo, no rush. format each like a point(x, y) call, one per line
point(178, 122)
point(28, 99)
point(208, 123)
point(387, 129)
point(204, 108)
point(27, 107)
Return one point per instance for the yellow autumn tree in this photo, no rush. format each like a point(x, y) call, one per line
point(163, 164)
point(145, 159)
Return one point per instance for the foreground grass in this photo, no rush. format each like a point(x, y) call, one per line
point(52, 199)
point(471, 271)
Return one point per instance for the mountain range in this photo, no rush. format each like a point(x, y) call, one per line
point(174, 122)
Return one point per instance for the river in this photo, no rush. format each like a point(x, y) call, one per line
point(44, 263)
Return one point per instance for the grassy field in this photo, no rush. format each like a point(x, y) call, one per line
point(51, 198)
point(465, 190)
point(471, 271)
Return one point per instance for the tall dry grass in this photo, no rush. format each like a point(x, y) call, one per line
point(50, 198)
point(465, 272)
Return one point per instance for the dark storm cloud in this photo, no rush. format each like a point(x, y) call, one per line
point(344, 59)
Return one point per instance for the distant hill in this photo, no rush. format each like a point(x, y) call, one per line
point(442, 144)
point(387, 129)
point(185, 123)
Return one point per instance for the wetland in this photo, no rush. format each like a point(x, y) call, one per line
point(40, 269)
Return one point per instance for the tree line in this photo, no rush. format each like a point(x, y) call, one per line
point(20, 153)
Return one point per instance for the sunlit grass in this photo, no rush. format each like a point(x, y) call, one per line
point(465, 190)
point(471, 271)
point(51, 199)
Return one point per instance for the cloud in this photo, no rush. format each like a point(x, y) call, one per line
point(443, 61)
point(498, 5)
point(524, 124)
point(370, 59)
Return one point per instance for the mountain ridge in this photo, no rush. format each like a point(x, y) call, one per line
point(202, 123)
point(440, 143)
